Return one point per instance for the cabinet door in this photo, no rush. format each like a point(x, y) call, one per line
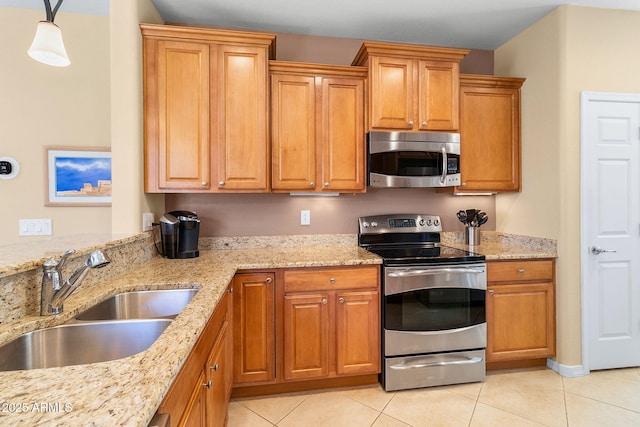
point(520, 321)
point(293, 132)
point(306, 336)
point(195, 412)
point(357, 333)
point(439, 83)
point(177, 149)
point(241, 118)
point(254, 327)
point(490, 138)
point(343, 134)
point(216, 380)
point(392, 93)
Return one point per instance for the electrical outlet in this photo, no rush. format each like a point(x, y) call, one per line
point(147, 221)
point(35, 227)
point(305, 217)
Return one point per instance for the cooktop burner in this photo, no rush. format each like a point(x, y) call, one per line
point(409, 239)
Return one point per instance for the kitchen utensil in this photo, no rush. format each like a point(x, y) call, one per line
point(483, 220)
point(462, 216)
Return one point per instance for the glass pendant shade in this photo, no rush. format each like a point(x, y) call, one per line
point(48, 46)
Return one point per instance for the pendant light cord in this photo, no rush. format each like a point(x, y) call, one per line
point(51, 14)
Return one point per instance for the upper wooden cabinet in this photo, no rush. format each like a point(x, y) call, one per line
point(206, 109)
point(490, 133)
point(412, 87)
point(317, 127)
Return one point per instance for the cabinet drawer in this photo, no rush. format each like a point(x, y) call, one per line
point(330, 278)
point(520, 270)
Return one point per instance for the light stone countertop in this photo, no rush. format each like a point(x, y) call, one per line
point(126, 392)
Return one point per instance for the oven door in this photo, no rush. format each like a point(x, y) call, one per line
point(434, 308)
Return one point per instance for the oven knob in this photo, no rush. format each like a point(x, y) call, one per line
point(436, 222)
point(421, 222)
point(428, 223)
point(365, 224)
point(374, 224)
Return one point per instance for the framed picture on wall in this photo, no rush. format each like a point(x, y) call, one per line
point(78, 176)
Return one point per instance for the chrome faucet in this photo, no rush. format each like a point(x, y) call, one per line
point(54, 291)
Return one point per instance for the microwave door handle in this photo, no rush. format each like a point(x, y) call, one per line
point(432, 271)
point(443, 178)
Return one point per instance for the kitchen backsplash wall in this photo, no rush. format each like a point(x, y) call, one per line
point(279, 214)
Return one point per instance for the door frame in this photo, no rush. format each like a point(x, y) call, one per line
point(585, 99)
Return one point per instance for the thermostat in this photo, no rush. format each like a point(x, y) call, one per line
point(9, 168)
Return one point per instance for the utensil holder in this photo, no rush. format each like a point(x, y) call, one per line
point(472, 235)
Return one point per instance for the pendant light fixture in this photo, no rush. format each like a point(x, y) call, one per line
point(47, 46)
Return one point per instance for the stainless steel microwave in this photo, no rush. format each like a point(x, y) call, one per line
point(413, 159)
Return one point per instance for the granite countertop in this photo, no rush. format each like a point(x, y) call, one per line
point(128, 391)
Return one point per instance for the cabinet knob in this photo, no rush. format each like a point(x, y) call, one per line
point(332, 280)
point(324, 300)
point(326, 184)
point(341, 300)
point(221, 183)
point(521, 271)
point(269, 280)
point(410, 122)
point(215, 367)
point(312, 184)
point(207, 384)
point(203, 183)
point(490, 291)
point(424, 124)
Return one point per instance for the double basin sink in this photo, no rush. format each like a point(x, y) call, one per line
point(121, 326)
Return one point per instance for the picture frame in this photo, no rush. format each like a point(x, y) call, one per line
point(78, 176)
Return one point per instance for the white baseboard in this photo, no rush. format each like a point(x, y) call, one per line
point(567, 370)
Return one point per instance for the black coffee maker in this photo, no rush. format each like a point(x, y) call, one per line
point(179, 233)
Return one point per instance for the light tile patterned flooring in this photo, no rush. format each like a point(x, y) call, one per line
point(536, 397)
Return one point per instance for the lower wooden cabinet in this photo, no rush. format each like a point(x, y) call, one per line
point(200, 394)
point(331, 322)
point(254, 327)
point(520, 310)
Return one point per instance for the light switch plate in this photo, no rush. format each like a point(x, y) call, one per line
point(305, 217)
point(35, 227)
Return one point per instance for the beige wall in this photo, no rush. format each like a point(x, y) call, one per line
point(573, 49)
point(43, 106)
point(129, 200)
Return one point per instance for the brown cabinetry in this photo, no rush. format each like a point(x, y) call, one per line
point(411, 87)
point(254, 327)
point(331, 322)
point(200, 394)
point(317, 127)
point(205, 109)
point(520, 310)
point(490, 133)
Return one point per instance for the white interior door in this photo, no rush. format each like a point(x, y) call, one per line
point(610, 230)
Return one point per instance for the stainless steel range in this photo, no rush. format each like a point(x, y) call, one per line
point(433, 303)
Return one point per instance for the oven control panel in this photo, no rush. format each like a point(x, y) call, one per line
point(399, 223)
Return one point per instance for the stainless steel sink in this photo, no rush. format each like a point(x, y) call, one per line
point(80, 343)
point(166, 303)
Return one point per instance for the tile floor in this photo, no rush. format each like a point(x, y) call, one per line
point(536, 397)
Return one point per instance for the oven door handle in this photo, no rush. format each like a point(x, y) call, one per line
point(432, 271)
point(460, 361)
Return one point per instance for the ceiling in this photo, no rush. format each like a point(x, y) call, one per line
point(477, 24)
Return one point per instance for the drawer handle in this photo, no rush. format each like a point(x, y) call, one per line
point(214, 367)
point(521, 271)
point(332, 280)
point(207, 384)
